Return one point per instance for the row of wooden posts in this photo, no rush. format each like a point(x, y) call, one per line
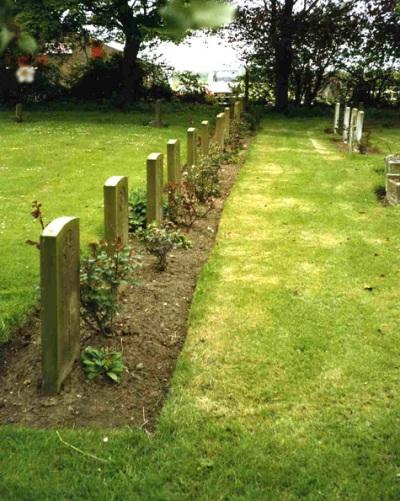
point(353, 125)
point(60, 246)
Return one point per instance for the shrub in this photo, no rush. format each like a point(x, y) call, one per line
point(160, 240)
point(183, 207)
point(203, 179)
point(191, 89)
point(102, 273)
point(102, 362)
point(138, 210)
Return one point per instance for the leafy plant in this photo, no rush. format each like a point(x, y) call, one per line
point(37, 215)
point(160, 240)
point(183, 206)
point(102, 273)
point(138, 210)
point(102, 362)
point(203, 179)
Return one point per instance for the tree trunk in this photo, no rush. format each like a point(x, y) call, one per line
point(283, 56)
point(130, 72)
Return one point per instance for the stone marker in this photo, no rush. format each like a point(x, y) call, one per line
point(346, 123)
point(236, 112)
point(60, 299)
point(116, 210)
point(336, 119)
point(157, 109)
point(353, 120)
point(359, 126)
point(227, 122)
point(191, 147)
point(205, 138)
point(393, 189)
point(154, 187)
point(392, 164)
point(18, 112)
point(174, 161)
point(219, 130)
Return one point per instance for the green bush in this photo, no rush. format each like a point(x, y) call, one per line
point(160, 240)
point(102, 273)
point(102, 362)
point(138, 210)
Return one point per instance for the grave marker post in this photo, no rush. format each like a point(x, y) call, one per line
point(336, 118)
point(154, 188)
point(60, 299)
point(353, 120)
point(191, 147)
point(219, 131)
point(360, 126)
point(346, 123)
point(174, 161)
point(116, 211)
point(205, 138)
point(227, 113)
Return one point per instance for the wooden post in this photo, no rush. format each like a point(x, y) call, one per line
point(191, 147)
point(18, 112)
point(154, 187)
point(60, 300)
point(205, 138)
point(174, 161)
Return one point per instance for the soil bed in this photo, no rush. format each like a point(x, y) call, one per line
point(150, 332)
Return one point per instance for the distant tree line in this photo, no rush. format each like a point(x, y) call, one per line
point(296, 48)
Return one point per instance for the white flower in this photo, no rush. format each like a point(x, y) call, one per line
point(26, 74)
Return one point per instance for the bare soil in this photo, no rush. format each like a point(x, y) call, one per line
point(150, 332)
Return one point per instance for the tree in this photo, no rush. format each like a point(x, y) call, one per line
point(299, 43)
point(131, 22)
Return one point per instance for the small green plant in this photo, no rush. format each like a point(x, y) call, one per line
point(203, 179)
point(137, 210)
point(102, 273)
point(160, 240)
point(102, 362)
point(183, 205)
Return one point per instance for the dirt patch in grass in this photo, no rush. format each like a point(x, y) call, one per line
point(151, 330)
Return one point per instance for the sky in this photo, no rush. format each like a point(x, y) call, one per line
point(199, 54)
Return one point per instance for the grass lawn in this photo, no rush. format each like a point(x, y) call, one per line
point(287, 386)
point(62, 157)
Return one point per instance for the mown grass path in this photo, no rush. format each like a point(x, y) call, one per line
point(288, 384)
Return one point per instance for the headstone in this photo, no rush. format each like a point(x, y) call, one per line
point(227, 122)
point(18, 112)
point(236, 112)
point(346, 124)
point(154, 187)
point(60, 298)
point(392, 164)
point(191, 147)
point(205, 138)
point(116, 210)
point(359, 126)
point(353, 120)
point(219, 130)
point(393, 189)
point(174, 161)
point(158, 118)
point(336, 119)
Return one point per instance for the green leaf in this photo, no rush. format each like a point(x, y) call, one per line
point(27, 43)
point(113, 376)
point(5, 38)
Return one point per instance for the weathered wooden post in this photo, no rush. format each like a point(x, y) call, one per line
point(205, 138)
point(236, 111)
point(154, 187)
point(227, 114)
point(346, 123)
point(219, 130)
point(18, 112)
point(336, 118)
point(191, 147)
point(116, 209)
point(60, 298)
point(353, 120)
point(360, 126)
point(174, 161)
